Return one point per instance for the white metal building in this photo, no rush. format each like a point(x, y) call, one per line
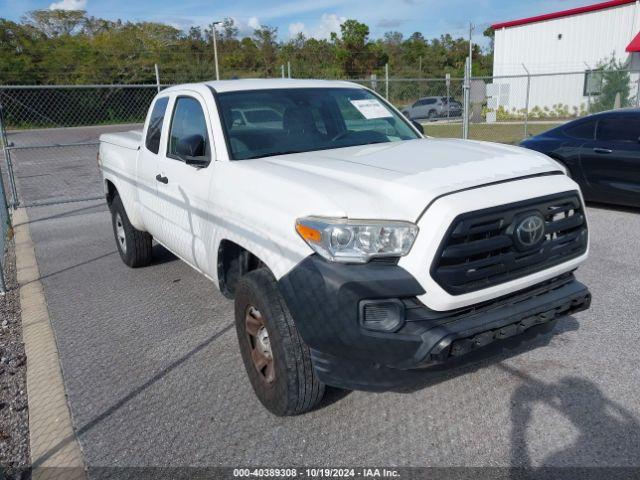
point(575, 40)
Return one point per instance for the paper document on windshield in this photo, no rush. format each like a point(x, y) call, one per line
point(371, 109)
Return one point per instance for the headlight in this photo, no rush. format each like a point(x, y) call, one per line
point(356, 241)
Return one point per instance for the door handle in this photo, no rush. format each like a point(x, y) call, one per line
point(162, 179)
point(602, 150)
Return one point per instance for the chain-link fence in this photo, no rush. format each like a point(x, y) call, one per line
point(5, 219)
point(409, 95)
point(54, 130)
point(509, 109)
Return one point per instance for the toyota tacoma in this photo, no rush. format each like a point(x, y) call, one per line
point(355, 249)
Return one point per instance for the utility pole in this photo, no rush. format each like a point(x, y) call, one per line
point(215, 48)
point(471, 27)
point(467, 86)
point(467, 99)
point(157, 78)
point(386, 81)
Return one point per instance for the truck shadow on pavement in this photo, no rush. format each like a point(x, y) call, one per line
point(608, 435)
point(160, 256)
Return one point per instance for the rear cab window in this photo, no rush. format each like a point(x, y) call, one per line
point(156, 120)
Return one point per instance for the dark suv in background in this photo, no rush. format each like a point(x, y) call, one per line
point(601, 152)
point(433, 107)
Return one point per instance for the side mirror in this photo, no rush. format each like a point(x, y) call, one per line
point(192, 150)
point(418, 125)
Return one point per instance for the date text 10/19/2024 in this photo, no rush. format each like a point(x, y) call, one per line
point(364, 473)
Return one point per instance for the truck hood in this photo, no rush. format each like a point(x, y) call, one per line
point(393, 180)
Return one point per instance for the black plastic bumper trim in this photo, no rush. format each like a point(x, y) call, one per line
point(324, 300)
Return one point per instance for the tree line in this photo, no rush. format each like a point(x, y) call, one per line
point(71, 47)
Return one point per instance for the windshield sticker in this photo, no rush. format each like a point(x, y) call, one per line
point(371, 109)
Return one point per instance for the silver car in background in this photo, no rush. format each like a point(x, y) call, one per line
point(433, 107)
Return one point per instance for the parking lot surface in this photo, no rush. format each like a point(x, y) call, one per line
point(154, 376)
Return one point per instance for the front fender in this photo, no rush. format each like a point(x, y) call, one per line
point(280, 252)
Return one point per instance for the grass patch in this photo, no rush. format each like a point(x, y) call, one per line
point(511, 133)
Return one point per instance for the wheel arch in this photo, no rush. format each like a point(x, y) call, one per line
point(234, 261)
point(111, 190)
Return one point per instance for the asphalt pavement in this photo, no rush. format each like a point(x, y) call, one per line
point(154, 377)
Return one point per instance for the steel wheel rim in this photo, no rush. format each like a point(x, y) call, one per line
point(260, 347)
point(120, 234)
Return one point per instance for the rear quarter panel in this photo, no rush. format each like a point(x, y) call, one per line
point(118, 159)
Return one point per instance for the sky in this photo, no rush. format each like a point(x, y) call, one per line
point(316, 18)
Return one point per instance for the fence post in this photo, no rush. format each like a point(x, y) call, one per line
point(467, 100)
point(288, 69)
point(7, 158)
point(4, 208)
point(282, 70)
point(586, 81)
point(386, 81)
point(526, 103)
point(4, 218)
point(157, 78)
point(447, 80)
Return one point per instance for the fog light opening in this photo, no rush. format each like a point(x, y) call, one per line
point(382, 315)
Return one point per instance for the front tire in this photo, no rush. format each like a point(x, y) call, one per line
point(277, 360)
point(134, 246)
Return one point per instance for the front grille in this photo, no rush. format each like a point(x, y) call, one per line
point(480, 249)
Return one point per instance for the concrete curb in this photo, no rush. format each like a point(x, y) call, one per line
point(53, 443)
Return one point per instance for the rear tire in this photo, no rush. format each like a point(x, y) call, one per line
point(134, 246)
point(277, 360)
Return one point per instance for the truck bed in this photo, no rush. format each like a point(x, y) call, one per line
point(131, 139)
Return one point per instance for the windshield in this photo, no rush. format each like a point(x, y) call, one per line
point(263, 123)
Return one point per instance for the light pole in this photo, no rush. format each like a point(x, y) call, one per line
point(215, 48)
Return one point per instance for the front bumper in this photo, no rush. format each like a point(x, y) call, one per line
point(324, 300)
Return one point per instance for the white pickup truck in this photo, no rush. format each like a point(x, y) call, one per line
point(356, 250)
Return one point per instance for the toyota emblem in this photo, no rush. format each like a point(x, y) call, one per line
point(530, 231)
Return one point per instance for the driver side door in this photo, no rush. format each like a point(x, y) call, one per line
point(183, 180)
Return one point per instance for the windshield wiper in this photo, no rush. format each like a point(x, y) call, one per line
point(273, 154)
point(330, 147)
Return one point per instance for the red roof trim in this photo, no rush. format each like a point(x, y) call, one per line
point(563, 13)
point(634, 46)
